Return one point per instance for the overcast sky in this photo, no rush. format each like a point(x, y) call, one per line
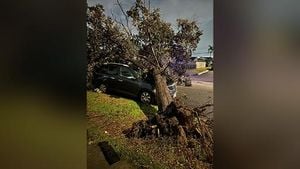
point(198, 10)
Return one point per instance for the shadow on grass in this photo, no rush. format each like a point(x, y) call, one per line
point(119, 95)
point(149, 110)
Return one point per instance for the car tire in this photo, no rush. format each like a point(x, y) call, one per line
point(146, 97)
point(101, 89)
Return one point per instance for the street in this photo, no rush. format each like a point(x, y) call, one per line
point(200, 93)
point(205, 77)
point(196, 95)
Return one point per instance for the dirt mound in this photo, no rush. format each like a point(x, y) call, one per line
point(181, 123)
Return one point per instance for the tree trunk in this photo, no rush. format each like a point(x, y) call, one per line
point(163, 96)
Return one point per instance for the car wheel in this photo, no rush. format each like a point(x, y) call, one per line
point(145, 97)
point(102, 88)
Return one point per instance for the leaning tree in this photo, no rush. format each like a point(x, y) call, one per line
point(144, 39)
point(158, 44)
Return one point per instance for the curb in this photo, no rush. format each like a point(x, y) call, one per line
point(203, 72)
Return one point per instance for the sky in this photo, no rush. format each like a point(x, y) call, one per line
point(199, 10)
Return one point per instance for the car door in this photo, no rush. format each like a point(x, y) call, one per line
point(100, 75)
point(130, 83)
point(113, 76)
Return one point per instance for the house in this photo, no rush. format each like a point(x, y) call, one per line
point(191, 64)
point(208, 60)
point(199, 62)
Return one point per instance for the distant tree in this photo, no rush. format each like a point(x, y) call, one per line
point(210, 50)
point(185, 41)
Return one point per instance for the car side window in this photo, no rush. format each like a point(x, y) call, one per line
point(126, 72)
point(100, 69)
point(104, 69)
point(113, 69)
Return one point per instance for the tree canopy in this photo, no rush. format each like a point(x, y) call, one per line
point(152, 44)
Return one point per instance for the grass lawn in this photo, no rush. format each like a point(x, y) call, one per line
point(108, 116)
point(202, 69)
point(199, 70)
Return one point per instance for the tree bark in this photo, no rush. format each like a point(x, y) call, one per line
point(163, 96)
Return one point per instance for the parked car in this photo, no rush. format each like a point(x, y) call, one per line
point(184, 80)
point(125, 79)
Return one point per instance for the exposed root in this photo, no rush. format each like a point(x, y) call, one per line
point(179, 122)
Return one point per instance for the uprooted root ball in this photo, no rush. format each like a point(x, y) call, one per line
point(181, 123)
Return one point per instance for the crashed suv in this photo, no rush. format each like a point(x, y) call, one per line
point(125, 79)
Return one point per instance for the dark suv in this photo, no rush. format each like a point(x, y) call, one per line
point(127, 80)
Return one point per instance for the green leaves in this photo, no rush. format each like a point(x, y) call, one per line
point(188, 34)
point(152, 43)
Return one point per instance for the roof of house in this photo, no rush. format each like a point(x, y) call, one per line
point(200, 60)
point(194, 58)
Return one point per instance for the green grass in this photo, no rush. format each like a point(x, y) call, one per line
point(116, 107)
point(129, 153)
point(108, 116)
point(202, 69)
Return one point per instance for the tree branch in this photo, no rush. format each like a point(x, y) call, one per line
point(166, 66)
point(154, 54)
point(126, 16)
point(135, 63)
point(121, 23)
point(148, 60)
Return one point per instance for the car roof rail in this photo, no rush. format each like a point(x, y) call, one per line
point(112, 63)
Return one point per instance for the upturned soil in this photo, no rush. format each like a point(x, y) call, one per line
point(116, 117)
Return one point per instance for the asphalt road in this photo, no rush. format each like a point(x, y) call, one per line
point(196, 95)
point(200, 93)
point(206, 77)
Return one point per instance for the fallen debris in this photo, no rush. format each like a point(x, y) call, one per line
point(181, 123)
